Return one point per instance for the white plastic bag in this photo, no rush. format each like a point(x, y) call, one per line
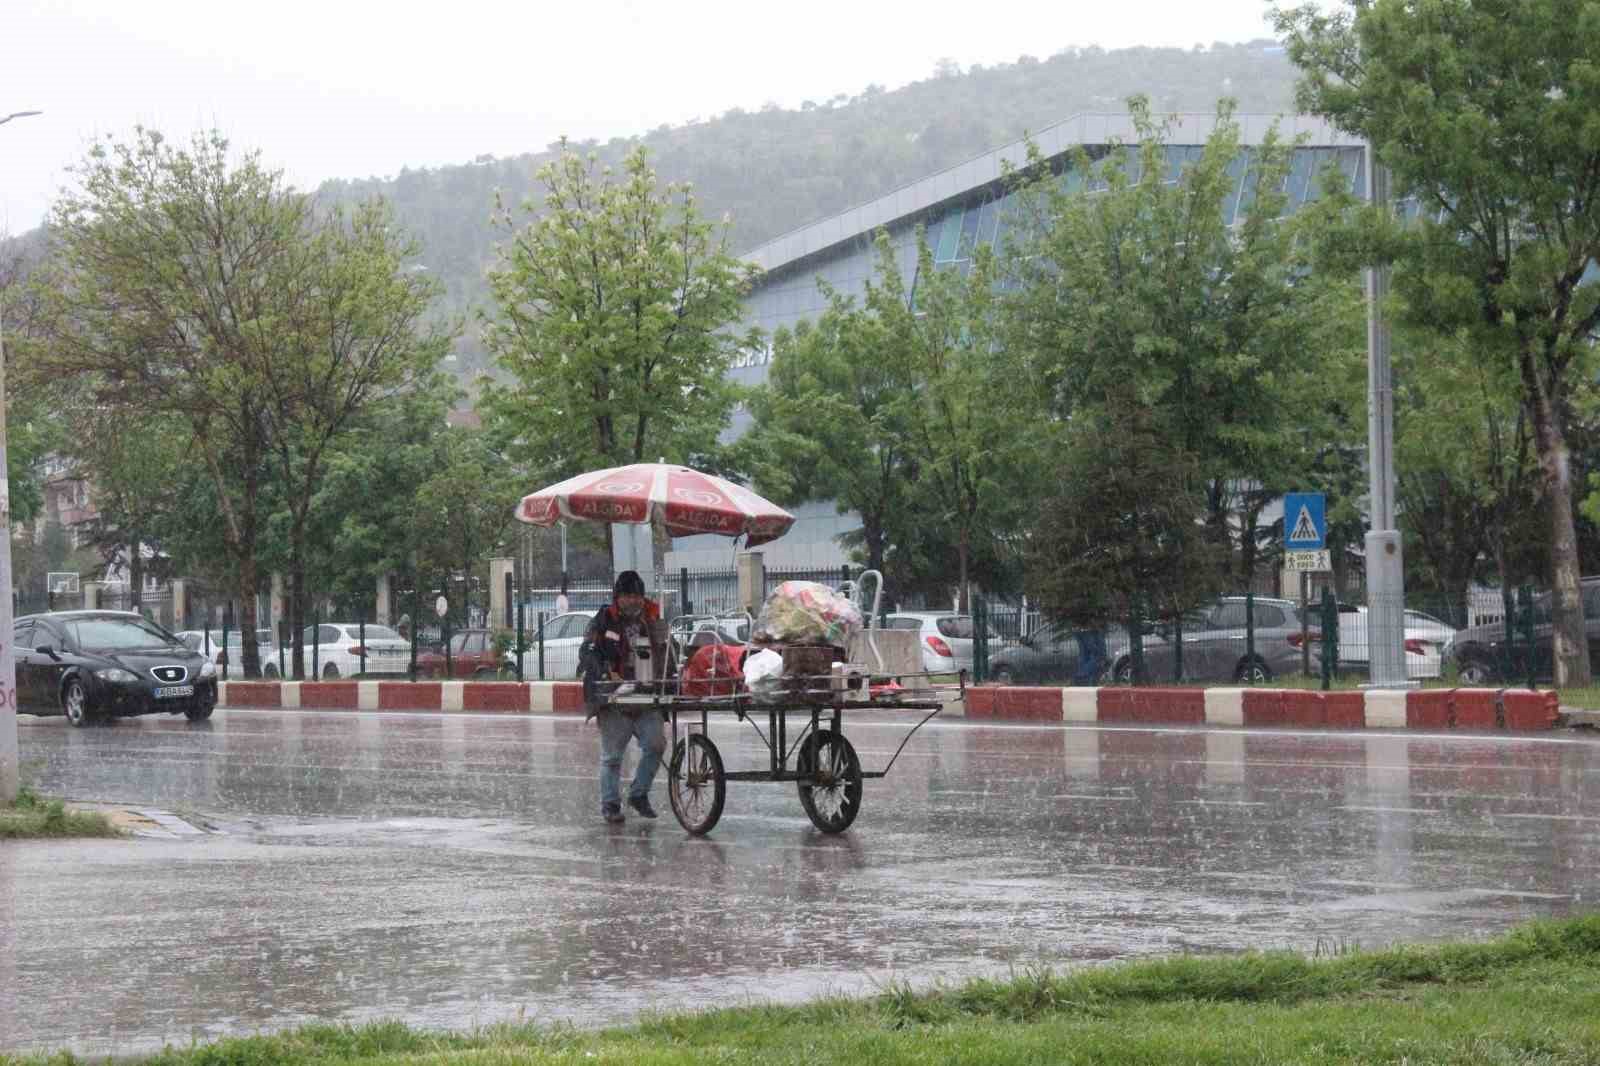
point(763, 674)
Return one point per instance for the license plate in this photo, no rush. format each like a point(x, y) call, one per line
point(171, 691)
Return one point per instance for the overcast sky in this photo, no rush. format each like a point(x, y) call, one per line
point(349, 89)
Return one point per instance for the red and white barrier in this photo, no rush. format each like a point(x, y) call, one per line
point(1444, 708)
point(512, 697)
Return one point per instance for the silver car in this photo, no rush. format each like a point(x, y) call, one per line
point(1216, 645)
point(945, 638)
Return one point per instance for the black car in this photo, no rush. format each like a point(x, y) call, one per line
point(1482, 657)
point(90, 665)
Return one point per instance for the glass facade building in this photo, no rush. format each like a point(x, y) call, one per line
point(962, 208)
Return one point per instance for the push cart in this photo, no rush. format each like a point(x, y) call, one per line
point(804, 738)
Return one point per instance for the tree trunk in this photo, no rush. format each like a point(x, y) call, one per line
point(246, 588)
point(135, 573)
point(962, 551)
point(1569, 643)
point(297, 615)
point(872, 537)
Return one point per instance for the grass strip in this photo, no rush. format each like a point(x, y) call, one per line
point(1531, 996)
point(33, 817)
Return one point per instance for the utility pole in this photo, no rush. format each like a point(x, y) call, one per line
point(10, 781)
point(1385, 570)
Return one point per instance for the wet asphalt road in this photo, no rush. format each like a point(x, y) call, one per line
point(451, 870)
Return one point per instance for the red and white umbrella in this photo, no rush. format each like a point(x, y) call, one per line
point(687, 502)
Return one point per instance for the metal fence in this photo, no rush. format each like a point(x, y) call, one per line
point(1249, 639)
point(1489, 638)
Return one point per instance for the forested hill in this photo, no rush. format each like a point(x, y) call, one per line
point(775, 169)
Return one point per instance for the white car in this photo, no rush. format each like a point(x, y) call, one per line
point(946, 638)
point(563, 636)
point(339, 651)
point(210, 645)
point(1426, 641)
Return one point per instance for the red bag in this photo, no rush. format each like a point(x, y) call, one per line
point(714, 670)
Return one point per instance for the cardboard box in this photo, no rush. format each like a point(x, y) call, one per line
point(886, 652)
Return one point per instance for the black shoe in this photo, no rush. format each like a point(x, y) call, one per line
point(642, 805)
point(613, 813)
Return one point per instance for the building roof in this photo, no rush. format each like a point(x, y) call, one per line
point(958, 181)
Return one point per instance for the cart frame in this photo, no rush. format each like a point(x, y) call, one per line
point(825, 767)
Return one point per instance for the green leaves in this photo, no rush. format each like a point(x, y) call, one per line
point(613, 315)
point(1172, 303)
point(192, 291)
point(1485, 112)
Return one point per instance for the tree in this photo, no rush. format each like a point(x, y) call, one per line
point(464, 511)
point(364, 518)
point(1483, 111)
point(163, 294)
point(34, 426)
point(350, 333)
point(1466, 480)
point(1143, 286)
point(133, 466)
point(830, 423)
point(191, 285)
point(613, 316)
point(903, 410)
point(1118, 529)
point(972, 437)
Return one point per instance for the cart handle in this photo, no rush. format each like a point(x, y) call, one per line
point(907, 740)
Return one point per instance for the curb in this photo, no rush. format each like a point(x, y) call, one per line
point(1434, 709)
point(1511, 709)
point(476, 697)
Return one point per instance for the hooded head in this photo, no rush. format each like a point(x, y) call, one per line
point(628, 594)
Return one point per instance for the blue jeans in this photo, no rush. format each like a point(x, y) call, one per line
point(615, 729)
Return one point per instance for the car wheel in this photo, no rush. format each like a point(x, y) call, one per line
point(1253, 672)
point(484, 673)
point(199, 712)
point(330, 672)
point(270, 671)
point(75, 703)
point(1122, 673)
point(1477, 673)
point(1003, 676)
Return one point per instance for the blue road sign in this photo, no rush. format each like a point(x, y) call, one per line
point(1305, 521)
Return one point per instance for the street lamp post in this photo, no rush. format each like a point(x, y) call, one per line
point(9, 779)
point(1385, 569)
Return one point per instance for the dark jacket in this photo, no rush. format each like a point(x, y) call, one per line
point(606, 648)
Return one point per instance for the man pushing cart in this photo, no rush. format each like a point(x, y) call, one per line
point(813, 658)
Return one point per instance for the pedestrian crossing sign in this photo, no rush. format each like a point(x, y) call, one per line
point(1305, 523)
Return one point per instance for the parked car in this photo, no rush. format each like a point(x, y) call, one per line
point(335, 649)
point(692, 633)
point(1425, 640)
point(946, 638)
point(1050, 655)
point(563, 636)
point(1216, 648)
point(1479, 652)
point(89, 665)
point(472, 654)
point(232, 657)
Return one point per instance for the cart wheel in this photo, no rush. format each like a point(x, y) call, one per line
point(695, 784)
point(830, 781)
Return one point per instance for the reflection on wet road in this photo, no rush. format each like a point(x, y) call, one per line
point(452, 870)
